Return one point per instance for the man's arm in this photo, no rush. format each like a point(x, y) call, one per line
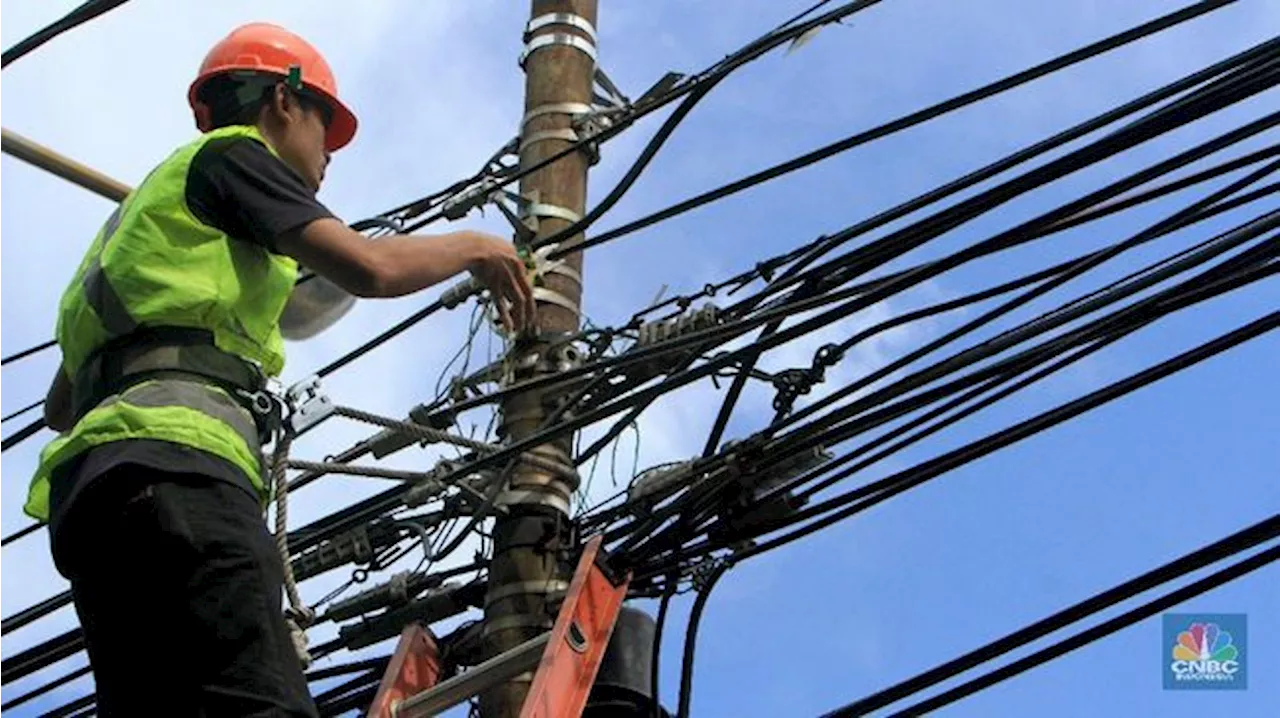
point(395, 266)
point(57, 403)
point(238, 186)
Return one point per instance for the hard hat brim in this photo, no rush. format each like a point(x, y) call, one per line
point(342, 129)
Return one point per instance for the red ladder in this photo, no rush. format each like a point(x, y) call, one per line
point(567, 658)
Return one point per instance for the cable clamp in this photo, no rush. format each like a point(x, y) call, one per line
point(457, 206)
point(308, 404)
point(793, 383)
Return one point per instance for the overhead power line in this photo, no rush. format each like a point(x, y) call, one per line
point(689, 529)
point(1218, 578)
point(77, 17)
point(1234, 544)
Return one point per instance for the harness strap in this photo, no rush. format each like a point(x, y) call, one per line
point(169, 352)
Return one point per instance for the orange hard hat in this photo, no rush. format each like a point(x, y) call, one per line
point(271, 49)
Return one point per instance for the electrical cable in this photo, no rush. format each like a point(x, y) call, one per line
point(22, 434)
point(1210, 288)
point(1250, 537)
point(721, 69)
point(1214, 580)
point(46, 688)
point(404, 325)
point(23, 410)
point(27, 352)
point(1159, 229)
point(691, 638)
point(905, 122)
point(908, 478)
point(77, 17)
point(655, 658)
point(27, 531)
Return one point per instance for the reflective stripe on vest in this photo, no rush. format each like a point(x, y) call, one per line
point(164, 409)
point(99, 293)
point(154, 264)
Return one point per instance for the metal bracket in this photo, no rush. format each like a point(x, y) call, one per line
point(309, 404)
point(611, 98)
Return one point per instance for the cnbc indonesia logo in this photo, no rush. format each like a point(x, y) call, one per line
point(1205, 653)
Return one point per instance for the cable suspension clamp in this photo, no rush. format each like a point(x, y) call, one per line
point(661, 330)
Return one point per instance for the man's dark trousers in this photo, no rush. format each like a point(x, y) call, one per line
point(177, 584)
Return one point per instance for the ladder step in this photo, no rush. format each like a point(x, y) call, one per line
point(449, 693)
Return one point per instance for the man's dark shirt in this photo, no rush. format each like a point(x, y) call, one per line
point(236, 185)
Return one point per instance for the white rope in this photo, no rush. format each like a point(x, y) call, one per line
point(427, 433)
point(298, 617)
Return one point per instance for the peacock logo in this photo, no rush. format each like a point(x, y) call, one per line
point(1204, 653)
point(1204, 642)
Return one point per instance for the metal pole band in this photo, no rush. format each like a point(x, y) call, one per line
point(566, 271)
point(575, 109)
point(577, 42)
point(540, 209)
point(511, 497)
point(523, 588)
point(550, 296)
point(560, 18)
point(566, 134)
point(506, 623)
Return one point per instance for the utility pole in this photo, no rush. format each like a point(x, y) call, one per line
point(528, 574)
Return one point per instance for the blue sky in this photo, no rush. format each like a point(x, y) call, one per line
point(896, 590)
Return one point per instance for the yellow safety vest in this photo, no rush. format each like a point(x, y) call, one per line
point(155, 265)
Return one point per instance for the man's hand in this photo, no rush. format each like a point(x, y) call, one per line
point(502, 271)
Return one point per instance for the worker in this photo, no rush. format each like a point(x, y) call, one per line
point(155, 489)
